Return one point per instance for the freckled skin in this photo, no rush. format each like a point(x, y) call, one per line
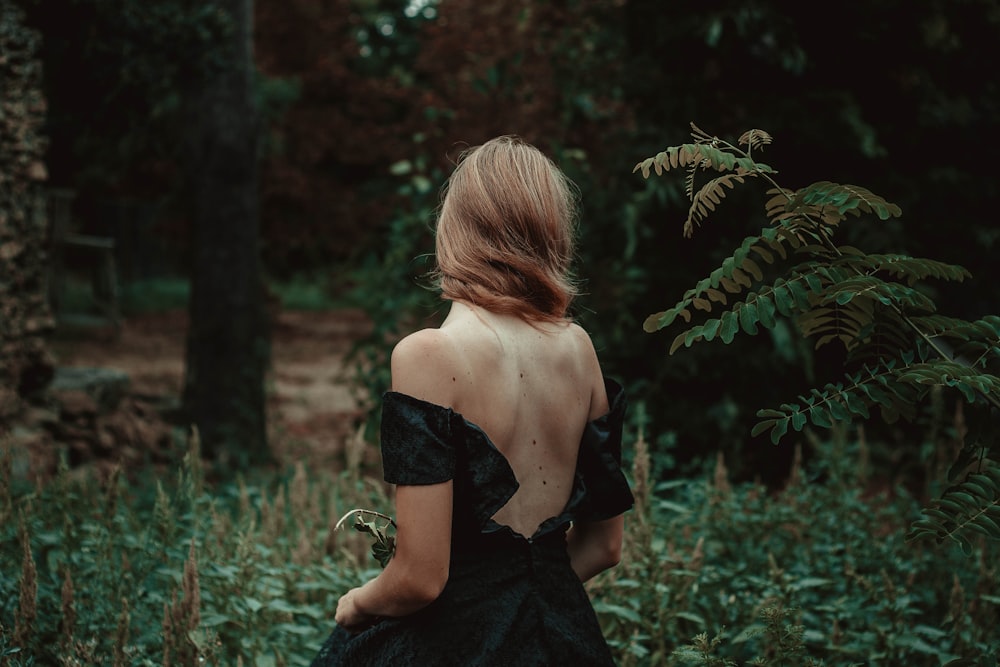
point(534, 418)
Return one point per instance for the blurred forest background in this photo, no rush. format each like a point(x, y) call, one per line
point(363, 107)
point(237, 152)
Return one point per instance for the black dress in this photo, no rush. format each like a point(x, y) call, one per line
point(509, 600)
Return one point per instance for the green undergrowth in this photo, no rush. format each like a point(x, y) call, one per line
point(138, 568)
point(819, 573)
point(146, 569)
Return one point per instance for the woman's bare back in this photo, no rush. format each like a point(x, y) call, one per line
point(531, 389)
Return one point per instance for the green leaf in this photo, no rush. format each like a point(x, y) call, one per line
point(691, 616)
point(618, 610)
point(779, 430)
point(748, 318)
point(838, 411)
point(814, 282)
point(798, 420)
point(810, 582)
point(212, 620)
point(692, 336)
point(710, 328)
point(730, 325)
point(799, 293)
point(784, 300)
point(820, 417)
point(765, 310)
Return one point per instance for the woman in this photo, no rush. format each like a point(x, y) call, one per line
point(504, 441)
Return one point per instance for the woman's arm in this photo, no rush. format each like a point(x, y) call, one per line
point(595, 546)
point(418, 571)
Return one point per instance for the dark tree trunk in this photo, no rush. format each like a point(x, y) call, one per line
point(227, 347)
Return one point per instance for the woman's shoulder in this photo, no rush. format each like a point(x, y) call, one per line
point(423, 364)
point(421, 343)
point(581, 336)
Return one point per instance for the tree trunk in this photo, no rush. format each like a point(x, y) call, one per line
point(228, 343)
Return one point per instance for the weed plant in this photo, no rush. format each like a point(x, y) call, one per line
point(137, 569)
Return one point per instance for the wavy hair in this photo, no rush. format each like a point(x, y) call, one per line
point(505, 234)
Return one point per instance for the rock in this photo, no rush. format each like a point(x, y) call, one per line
point(105, 386)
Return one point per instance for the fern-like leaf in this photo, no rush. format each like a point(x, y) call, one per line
point(887, 335)
point(840, 402)
point(755, 139)
point(972, 383)
point(869, 302)
point(706, 199)
point(976, 342)
point(851, 199)
point(872, 287)
point(736, 274)
point(699, 156)
point(846, 323)
point(745, 315)
point(902, 267)
point(965, 511)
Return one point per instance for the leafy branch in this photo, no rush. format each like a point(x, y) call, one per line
point(872, 304)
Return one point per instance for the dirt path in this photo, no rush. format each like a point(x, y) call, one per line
point(311, 407)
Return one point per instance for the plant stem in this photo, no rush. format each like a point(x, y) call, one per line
point(364, 511)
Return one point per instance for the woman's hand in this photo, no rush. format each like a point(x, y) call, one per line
point(349, 616)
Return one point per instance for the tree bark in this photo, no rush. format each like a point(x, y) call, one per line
point(228, 342)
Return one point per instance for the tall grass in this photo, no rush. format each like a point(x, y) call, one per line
point(146, 568)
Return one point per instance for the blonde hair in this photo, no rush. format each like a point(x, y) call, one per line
point(505, 233)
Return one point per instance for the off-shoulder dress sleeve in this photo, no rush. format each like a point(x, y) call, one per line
point(606, 490)
point(417, 444)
